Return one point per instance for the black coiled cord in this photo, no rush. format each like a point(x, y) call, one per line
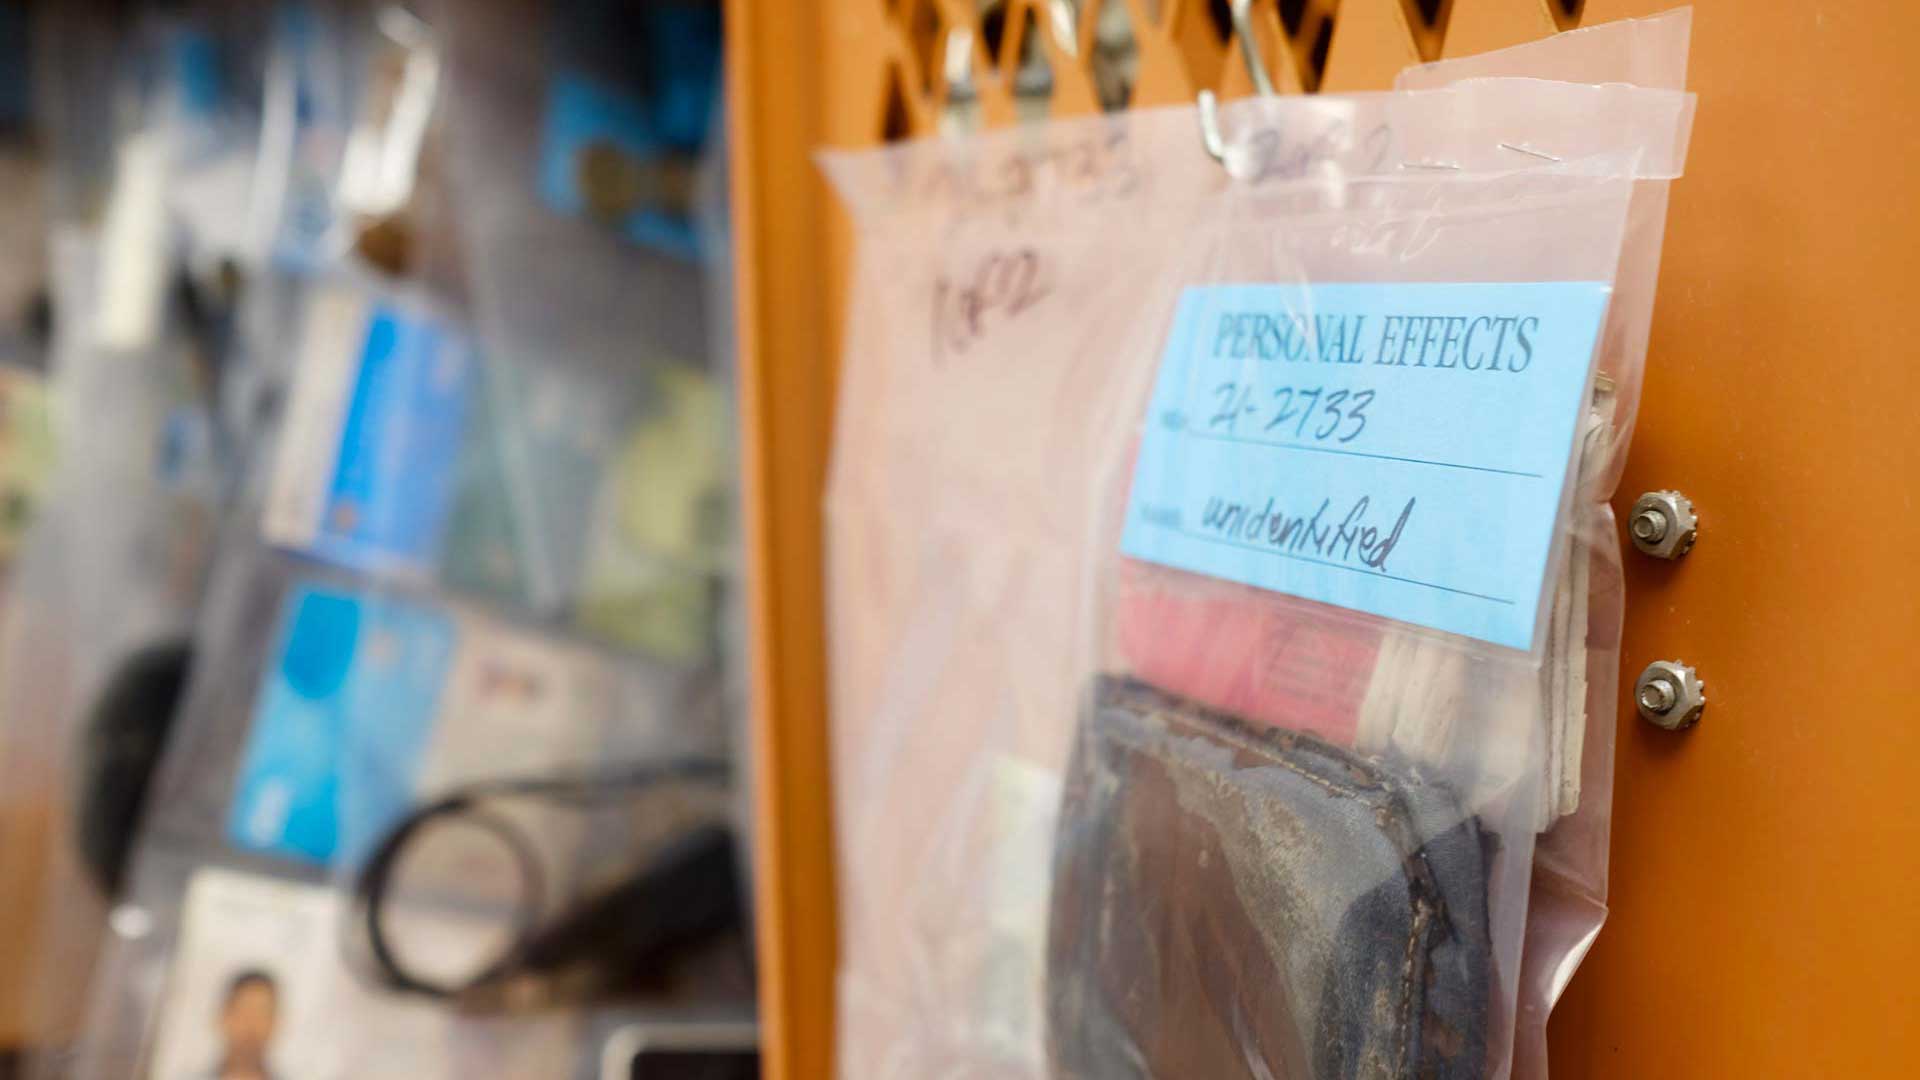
point(689, 891)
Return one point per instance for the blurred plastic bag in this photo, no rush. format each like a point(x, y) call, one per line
point(323, 709)
point(257, 983)
point(1005, 337)
point(611, 422)
point(370, 427)
point(144, 122)
point(113, 563)
point(589, 494)
point(566, 447)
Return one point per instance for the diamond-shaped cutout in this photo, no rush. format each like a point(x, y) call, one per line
point(1220, 17)
point(1033, 78)
point(923, 26)
point(1428, 20)
point(993, 26)
point(895, 122)
point(1115, 61)
point(1292, 14)
point(1315, 65)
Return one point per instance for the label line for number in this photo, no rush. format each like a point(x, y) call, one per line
point(1230, 542)
point(1359, 453)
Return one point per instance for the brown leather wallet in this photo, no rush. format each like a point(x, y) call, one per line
point(1241, 901)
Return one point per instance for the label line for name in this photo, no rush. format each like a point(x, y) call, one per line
point(1276, 552)
point(1195, 433)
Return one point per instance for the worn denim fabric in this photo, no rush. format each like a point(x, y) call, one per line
point(1241, 901)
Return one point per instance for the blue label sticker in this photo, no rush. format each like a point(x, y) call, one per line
point(1397, 449)
point(400, 443)
point(342, 720)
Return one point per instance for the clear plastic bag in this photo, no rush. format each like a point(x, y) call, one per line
point(112, 565)
point(611, 427)
point(575, 466)
point(323, 709)
point(1569, 897)
point(1417, 895)
point(1012, 698)
point(476, 553)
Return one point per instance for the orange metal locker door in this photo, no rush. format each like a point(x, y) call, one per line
point(1764, 910)
point(1764, 921)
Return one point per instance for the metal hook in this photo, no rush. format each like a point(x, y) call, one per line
point(1210, 138)
point(1250, 47)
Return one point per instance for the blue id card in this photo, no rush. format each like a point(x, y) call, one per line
point(399, 446)
point(370, 452)
point(1397, 449)
point(341, 723)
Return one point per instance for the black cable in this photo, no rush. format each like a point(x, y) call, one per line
point(376, 877)
point(694, 876)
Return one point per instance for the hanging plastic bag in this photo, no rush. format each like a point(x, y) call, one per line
point(1569, 897)
point(110, 570)
point(992, 647)
point(326, 712)
point(565, 447)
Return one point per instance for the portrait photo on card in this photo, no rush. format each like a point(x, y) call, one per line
point(259, 990)
point(240, 999)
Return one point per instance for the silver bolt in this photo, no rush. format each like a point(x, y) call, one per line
point(1649, 527)
point(1658, 695)
point(1670, 694)
point(1663, 524)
